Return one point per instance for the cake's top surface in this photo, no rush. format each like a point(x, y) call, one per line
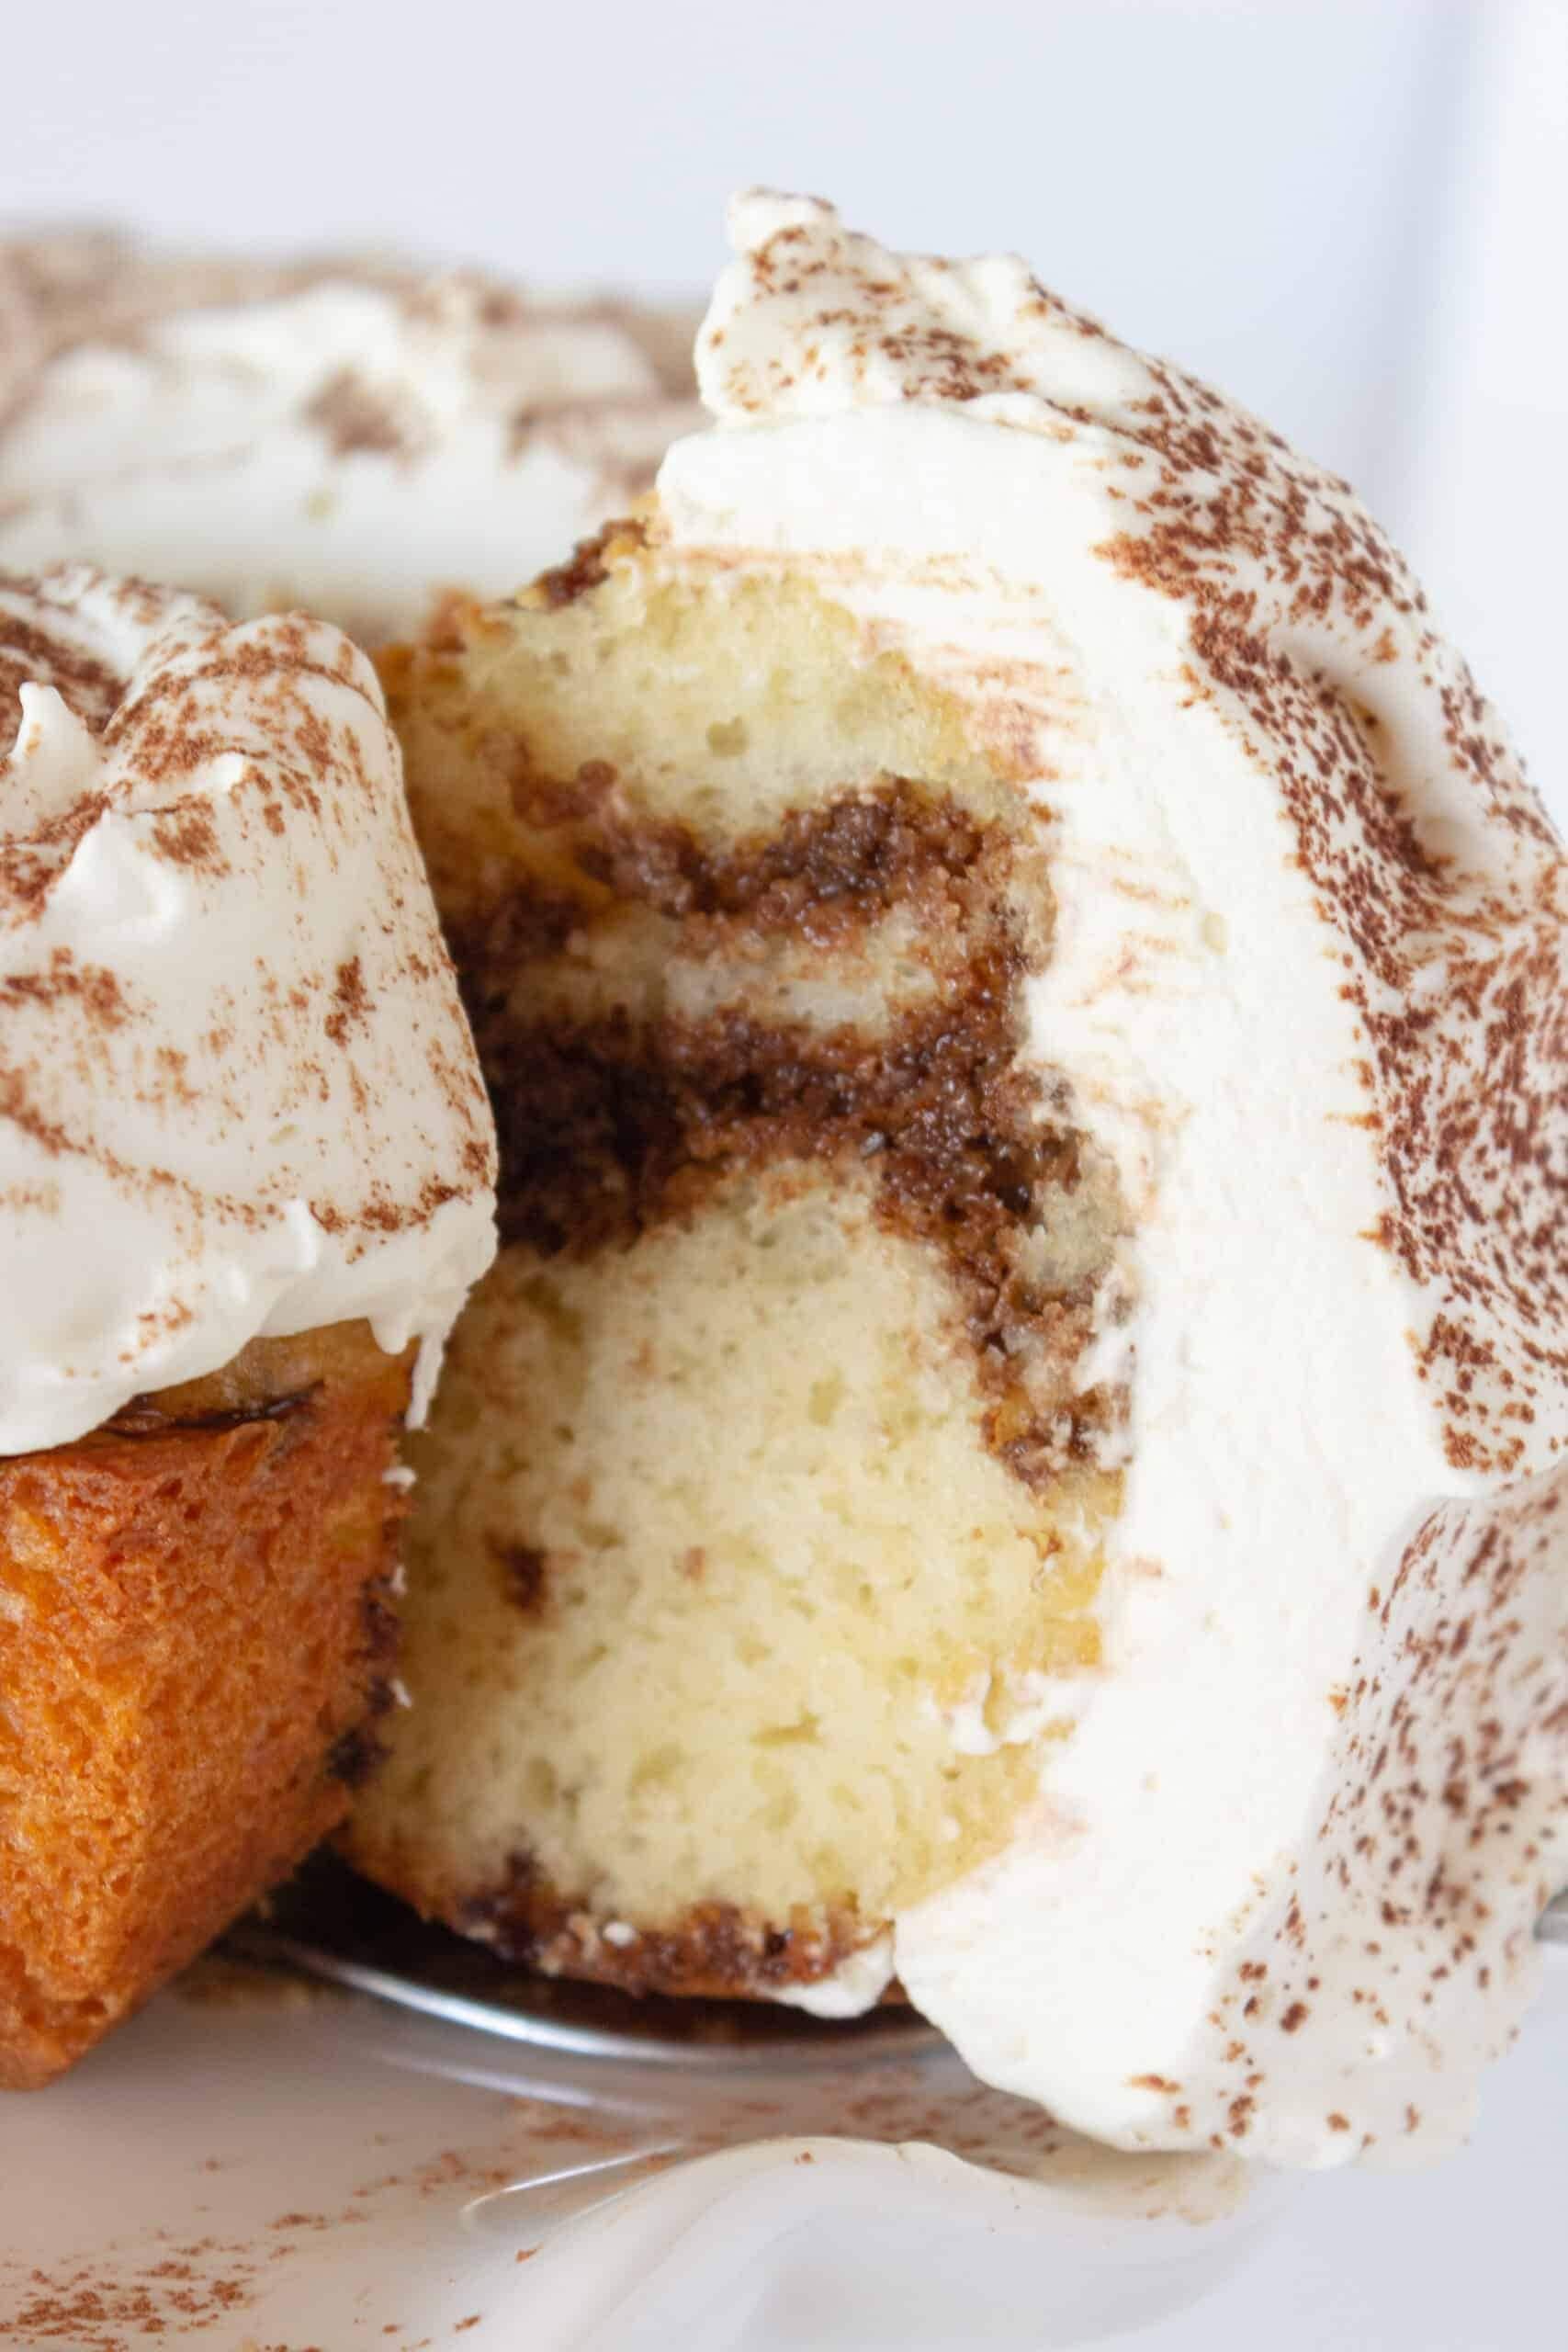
point(354, 436)
point(1308, 984)
point(237, 1091)
point(814, 318)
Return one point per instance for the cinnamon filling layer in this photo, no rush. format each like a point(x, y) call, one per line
point(856, 854)
point(605, 1131)
point(609, 1124)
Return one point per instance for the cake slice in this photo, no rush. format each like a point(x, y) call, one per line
point(782, 1376)
point(248, 1171)
point(1012, 1443)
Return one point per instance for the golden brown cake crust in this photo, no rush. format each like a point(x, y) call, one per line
point(194, 1644)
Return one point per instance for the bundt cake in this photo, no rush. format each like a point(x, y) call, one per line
point(247, 1170)
point(1012, 1442)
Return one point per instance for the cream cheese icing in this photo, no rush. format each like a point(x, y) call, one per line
point(1309, 986)
point(351, 438)
point(238, 1095)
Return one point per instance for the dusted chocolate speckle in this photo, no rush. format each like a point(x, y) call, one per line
point(232, 1055)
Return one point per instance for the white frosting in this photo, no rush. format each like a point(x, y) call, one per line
point(238, 1095)
point(1307, 986)
point(854, 1986)
point(350, 443)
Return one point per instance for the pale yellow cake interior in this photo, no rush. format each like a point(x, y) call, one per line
point(753, 1559)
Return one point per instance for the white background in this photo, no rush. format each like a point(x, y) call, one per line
point(1352, 214)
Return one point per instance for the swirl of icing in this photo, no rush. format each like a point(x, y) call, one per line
point(238, 1095)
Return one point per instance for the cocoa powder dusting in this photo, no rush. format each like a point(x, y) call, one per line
point(356, 417)
point(350, 1000)
point(1468, 1080)
point(33, 655)
point(302, 772)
